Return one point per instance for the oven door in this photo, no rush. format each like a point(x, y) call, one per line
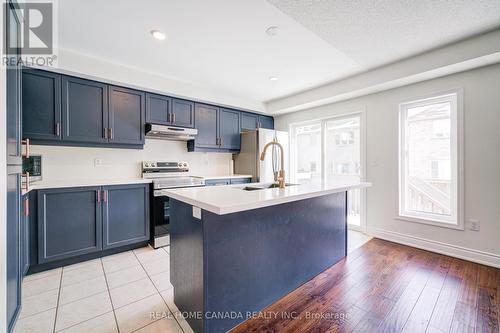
point(160, 221)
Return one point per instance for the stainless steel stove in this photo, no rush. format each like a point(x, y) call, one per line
point(165, 175)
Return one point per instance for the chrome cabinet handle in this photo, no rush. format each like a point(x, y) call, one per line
point(98, 192)
point(173, 116)
point(105, 196)
point(58, 129)
point(110, 133)
point(105, 132)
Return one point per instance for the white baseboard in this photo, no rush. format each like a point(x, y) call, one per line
point(485, 258)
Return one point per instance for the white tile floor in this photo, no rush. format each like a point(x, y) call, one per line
point(125, 292)
point(117, 293)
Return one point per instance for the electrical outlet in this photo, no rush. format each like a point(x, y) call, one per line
point(475, 225)
point(97, 162)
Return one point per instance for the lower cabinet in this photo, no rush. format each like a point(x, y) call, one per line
point(69, 223)
point(125, 215)
point(227, 181)
point(83, 220)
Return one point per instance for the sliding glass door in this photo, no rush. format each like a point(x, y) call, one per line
point(331, 150)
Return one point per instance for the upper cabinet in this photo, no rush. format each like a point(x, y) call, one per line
point(229, 129)
point(84, 110)
point(266, 122)
point(41, 105)
point(218, 129)
point(126, 116)
point(163, 110)
point(250, 121)
point(60, 109)
point(182, 113)
point(158, 109)
point(205, 120)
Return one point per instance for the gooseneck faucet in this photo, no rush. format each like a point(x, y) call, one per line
point(281, 174)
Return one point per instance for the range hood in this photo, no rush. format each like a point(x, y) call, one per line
point(165, 132)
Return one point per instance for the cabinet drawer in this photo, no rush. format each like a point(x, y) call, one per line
point(217, 182)
point(241, 180)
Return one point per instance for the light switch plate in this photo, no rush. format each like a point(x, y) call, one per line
point(197, 212)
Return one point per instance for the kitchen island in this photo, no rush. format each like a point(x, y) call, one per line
point(237, 249)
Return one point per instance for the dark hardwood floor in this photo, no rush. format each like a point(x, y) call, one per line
point(388, 287)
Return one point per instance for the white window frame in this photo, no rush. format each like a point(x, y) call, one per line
point(456, 220)
point(361, 113)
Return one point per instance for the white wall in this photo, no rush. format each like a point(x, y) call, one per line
point(77, 163)
point(482, 162)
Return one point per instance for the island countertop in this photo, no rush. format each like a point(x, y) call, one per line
point(232, 198)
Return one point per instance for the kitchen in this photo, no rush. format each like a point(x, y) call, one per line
point(200, 194)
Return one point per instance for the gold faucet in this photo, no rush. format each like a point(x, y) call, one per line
point(281, 174)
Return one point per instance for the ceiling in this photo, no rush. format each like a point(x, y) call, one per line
point(222, 44)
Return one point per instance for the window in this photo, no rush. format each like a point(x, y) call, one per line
point(429, 160)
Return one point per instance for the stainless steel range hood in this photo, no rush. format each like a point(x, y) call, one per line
point(165, 132)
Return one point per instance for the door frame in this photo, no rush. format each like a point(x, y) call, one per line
point(361, 113)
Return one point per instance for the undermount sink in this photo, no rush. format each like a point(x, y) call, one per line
point(264, 187)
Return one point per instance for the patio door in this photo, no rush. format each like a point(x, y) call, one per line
point(332, 150)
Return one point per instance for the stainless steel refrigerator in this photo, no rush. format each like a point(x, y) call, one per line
point(248, 162)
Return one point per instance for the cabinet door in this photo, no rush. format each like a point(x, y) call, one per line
point(249, 121)
point(25, 234)
point(125, 215)
point(229, 129)
point(126, 115)
point(266, 122)
point(41, 105)
point(182, 113)
point(13, 260)
point(206, 123)
point(69, 223)
point(157, 109)
point(84, 110)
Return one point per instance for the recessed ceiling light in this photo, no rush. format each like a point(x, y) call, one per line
point(158, 34)
point(273, 78)
point(272, 30)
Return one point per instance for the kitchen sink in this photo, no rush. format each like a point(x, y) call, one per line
point(265, 187)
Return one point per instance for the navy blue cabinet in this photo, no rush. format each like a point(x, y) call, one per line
point(125, 215)
point(227, 181)
point(217, 182)
point(14, 168)
point(13, 246)
point(218, 129)
point(205, 119)
point(165, 110)
point(25, 234)
point(80, 220)
point(41, 103)
point(182, 113)
point(84, 110)
point(249, 121)
point(69, 223)
point(229, 129)
point(266, 122)
point(126, 116)
point(158, 109)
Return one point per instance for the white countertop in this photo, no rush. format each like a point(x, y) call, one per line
point(232, 198)
point(82, 183)
point(103, 182)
